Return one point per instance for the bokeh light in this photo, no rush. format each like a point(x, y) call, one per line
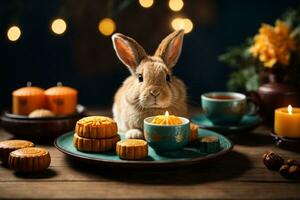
point(146, 3)
point(58, 26)
point(14, 33)
point(107, 26)
point(176, 5)
point(182, 23)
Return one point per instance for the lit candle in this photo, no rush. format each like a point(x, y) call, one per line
point(287, 122)
point(166, 119)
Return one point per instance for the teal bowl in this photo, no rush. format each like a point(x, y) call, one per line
point(163, 138)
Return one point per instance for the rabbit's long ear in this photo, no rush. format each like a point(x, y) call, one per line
point(128, 51)
point(170, 48)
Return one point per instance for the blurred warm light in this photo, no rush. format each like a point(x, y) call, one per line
point(177, 23)
point(146, 3)
point(14, 33)
point(188, 25)
point(107, 26)
point(58, 26)
point(176, 5)
point(182, 23)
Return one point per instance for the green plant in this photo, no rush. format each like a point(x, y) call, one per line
point(249, 61)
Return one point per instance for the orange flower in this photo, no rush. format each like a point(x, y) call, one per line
point(273, 44)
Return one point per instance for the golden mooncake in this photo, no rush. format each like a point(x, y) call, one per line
point(41, 113)
point(193, 132)
point(132, 149)
point(95, 145)
point(27, 99)
point(8, 146)
point(96, 127)
point(29, 159)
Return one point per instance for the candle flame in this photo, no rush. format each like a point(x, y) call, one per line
point(167, 113)
point(290, 109)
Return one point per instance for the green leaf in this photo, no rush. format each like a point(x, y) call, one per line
point(252, 83)
point(244, 80)
point(238, 57)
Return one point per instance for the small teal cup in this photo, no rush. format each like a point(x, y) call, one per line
point(226, 108)
point(164, 138)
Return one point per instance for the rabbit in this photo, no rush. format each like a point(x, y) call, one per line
point(151, 89)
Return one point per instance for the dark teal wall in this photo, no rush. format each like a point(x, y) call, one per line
point(45, 59)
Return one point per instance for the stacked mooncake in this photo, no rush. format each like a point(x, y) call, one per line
point(96, 134)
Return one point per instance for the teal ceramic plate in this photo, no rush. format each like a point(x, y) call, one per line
point(187, 156)
point(247, 123)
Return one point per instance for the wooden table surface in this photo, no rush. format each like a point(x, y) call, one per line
point(238, 175)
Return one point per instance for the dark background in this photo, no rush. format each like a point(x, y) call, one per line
point(84, 59)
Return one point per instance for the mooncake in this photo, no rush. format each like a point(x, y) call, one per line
point(193, 132)
point(61, 100)
point(41, 113)
point(29, 159)
point(8, 146)
point(95, 145)
point(27, 99)
point(209, 144)
point(97, 127)
point(132, 149)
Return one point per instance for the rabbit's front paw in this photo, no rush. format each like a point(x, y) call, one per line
point(134, 134)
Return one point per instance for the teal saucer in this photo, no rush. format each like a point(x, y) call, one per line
point(186, 156)
point(247, 123)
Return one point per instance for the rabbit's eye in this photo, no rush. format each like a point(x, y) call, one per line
point(140, 77)
point(168, 78)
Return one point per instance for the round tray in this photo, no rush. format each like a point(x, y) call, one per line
point(187, 156)
point(40, 128)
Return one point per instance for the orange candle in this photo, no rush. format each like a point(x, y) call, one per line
point(287, 122)
point(27, 99)
point(166, 119)
point(62, 100)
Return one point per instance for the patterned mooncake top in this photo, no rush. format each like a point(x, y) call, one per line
point(95, 120)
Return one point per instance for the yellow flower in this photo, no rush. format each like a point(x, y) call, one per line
point(273, 44)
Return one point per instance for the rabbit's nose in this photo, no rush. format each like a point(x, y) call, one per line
point(154, 93)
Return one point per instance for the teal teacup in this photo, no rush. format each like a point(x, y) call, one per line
point(226, 108)
point(163, 138)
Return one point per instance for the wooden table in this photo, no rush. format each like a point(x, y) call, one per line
point(238, 175)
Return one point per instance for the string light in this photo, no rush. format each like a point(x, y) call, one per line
point(146, 3)
point(107, 26)
point(182, 23)
point(14, 33)
point(176, 5)
point(58, 26)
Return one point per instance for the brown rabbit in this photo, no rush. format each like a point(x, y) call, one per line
point(151, 89)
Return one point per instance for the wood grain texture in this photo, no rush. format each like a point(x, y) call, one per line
point(238, 175)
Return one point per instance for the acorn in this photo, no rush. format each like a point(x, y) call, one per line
point(294, 171)
point(291, 162)
point(284, 170)
point(272, 161)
